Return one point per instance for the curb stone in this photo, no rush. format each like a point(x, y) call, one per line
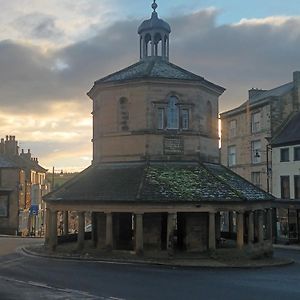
point(218, 265)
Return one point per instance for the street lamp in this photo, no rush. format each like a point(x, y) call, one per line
point(269, 169)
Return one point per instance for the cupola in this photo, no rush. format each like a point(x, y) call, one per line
point(154, 37)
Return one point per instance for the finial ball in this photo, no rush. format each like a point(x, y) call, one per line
point(154, 6)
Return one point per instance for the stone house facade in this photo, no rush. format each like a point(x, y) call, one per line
point(248, 129)
point(22, 186)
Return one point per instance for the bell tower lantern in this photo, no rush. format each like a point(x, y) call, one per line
point(154, 37)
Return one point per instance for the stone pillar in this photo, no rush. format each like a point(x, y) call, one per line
point(109, 232)
point(152, 46)
point(240, 230)
point(139, 234)
point(66, 222)
point(170, 232)
point(81, 225)
point(270, 224)
point(94, 228)
point(260, 226)
point(230, 223)
point(250, 228)
point(47, 226)
point(218, 226)
point(53, 230)
point(212, 231)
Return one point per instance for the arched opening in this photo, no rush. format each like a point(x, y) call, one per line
point(158, 45)
point(147, 42)
point(166, 47)
point(173, 113)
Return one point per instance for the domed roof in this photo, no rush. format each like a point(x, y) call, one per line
point(154, 23)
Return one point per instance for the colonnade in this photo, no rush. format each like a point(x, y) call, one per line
point(250, 228)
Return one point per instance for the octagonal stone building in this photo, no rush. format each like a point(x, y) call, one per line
point(155, 182)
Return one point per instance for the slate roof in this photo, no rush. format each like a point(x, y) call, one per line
point(5, 162)
point(16, 161)
point(276, 92)
point(289, 134)
point(158, 182)
point(153, 69)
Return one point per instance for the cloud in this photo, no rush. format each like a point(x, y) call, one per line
point(47, 86)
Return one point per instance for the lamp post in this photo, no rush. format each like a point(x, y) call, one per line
point(269, 170)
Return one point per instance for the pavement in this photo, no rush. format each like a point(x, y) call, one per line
point(69, 252)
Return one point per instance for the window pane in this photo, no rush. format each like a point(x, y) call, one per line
point(231, 156)
point(255, 122)
point(256, 152)
point(3, 205)
point(173, 113)
point(160, 118)
point(285, 187)
point(255, 178)
point(185, 119)
point(232, 128)
point(297, 153)
point(284, 154)
point(297, 186)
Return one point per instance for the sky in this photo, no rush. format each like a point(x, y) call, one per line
point(52, 51)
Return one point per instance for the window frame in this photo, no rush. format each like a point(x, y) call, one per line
point(230, 155)
point(282, 152)
point(232, 129)
point(282, 192)
point(254, 158)
point(297, 157)
point(254, 127)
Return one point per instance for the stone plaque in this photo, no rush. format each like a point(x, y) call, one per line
point(173, 145)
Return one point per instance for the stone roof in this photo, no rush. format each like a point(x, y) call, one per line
point(154, 68)
point(290, 133)
point(154, 23)
point(158, 182)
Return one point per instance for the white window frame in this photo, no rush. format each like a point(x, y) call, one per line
point(232, 128)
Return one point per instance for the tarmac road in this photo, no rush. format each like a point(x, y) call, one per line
point(24, 277)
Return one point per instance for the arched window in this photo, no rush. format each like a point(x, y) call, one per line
point(209, 117)
point(123, 114)
point(173, 113)
point(147, 42)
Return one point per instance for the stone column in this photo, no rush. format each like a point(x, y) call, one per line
point(212, 231)
point(240, 230)
point(66, 222)
point(94, 228)
point(230, 223)
point(270, 224)
point(218, 226)
point(152, 46)
point(47, 226)
point(53, 230)
point(109, 232)
point(250, 228)
point(260, 226)
point(81, 225)
point(170, 232)
point(139, 234)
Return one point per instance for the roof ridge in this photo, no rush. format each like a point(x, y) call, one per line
point(117, 72)
point(242, 197)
